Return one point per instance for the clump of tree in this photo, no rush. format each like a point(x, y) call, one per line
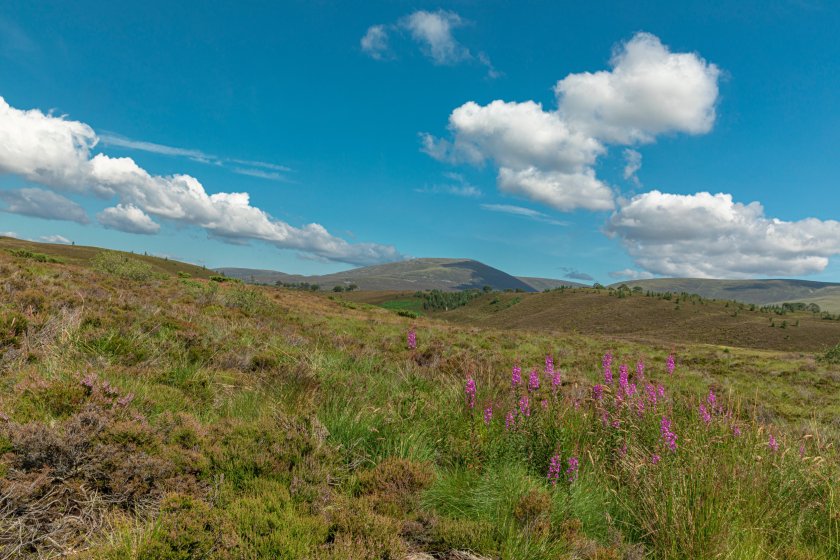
point(347, 288)
point(437, 300)
point(303, 286)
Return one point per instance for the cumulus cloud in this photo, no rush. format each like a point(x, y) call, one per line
point(41, 203)
point(550, 155)
point(57, 153)
point(55, 239)
point(711, 236)
point(648, 91)
point(128, 218)
point(8, 234)
point(432, 31)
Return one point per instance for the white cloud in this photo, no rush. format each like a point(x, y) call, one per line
point(649, 91)
point(633, 162)
point(550, 156)
point(563, 191)
point(375, 42)
point(128, 218)
point(432, 31)
point(55, 239)
point(56, 152)
point(524, 212)
point(711, 236)
point(41, 203)
point(9, 234)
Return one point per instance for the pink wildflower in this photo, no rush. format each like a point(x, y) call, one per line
point(524, 406)
point(736, 431)
point(640, 369)
point(655, 459)
point(516, 376)
point(554, 467)
point(411, 338)
point(773, 444)
point(488, 414)
point(671, 364)
point(572, 471)
point(622, 377)
point(509, 420)
point(469, 391)
point(668, 436)
point(704, 414)
point(534, 380)
point(126, 400)
point(598, 392)
point(549, 365)
point(607, 363)
point(544, 404)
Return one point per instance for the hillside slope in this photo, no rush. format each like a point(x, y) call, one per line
point(415, 274)
point(761, 292)
point(82, 255)
point(171, 418)
point(638, 317)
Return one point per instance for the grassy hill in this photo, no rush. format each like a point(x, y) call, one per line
point(631, 317)
point(762, 292)
point(157, 417)
point(81, 255)
point(415, 274)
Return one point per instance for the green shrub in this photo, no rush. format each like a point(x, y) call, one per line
point(39, 257)
point(188, 528)
point(123, 266)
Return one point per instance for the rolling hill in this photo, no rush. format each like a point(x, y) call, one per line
point(82, 255)
point(760, 292)
point(637, 317)
point(415, 274)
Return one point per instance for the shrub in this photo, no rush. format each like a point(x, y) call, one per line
point(122, 266)
point(189, 528)
point(39, 257)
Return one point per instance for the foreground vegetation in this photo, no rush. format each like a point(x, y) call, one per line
point(172, 417)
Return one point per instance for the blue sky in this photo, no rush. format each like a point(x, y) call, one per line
point(500, 131)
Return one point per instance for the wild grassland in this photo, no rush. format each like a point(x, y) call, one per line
point(182, 418)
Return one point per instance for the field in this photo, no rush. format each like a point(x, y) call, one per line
point(152, 416)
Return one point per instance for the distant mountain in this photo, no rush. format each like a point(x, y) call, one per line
point(415, 274)
point(541, 284)
point(760, 292)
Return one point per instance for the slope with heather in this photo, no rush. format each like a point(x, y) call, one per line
point(154, 416)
